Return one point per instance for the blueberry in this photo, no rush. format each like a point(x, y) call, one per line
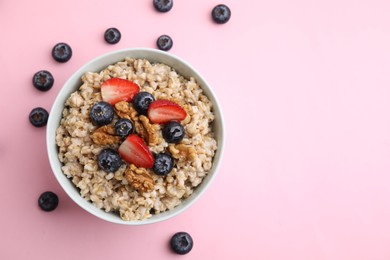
point(48, 201)
point(102, 113)
point(173, 132)
point(112, 35)
point(142, 101)
point(221, 14)
point(163, 163)
point(109, 160)
point(123, 127)
point(38, 117)
point(164, 43)
point(43, 80)
point(61, 52)
point(163, 5)
point(182, 243)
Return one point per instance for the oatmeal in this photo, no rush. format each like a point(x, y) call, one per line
point(136, 192)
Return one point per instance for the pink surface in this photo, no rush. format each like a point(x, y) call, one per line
point(304, 86)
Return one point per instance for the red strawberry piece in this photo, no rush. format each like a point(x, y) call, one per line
point(134, 150)
point(115, 89)
point(163, 111)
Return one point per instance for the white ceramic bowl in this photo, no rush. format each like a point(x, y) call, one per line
point(97, 64)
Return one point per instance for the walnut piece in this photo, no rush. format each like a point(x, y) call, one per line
point(182, 151)
point(152, 137)
point(124, 110)
point(105, 135)
point(139, 178)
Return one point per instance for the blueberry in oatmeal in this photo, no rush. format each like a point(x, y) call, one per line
point(173, 132)
point(112, 35)
point(142, 101)
point(43, 80)
point(123, 127)
point(61, 52)
point(102, 113)
point(48, 201)
point(163, 163)
point(221, 14)
point(163, 5)
point(182, 243)
point(164, 42)
point(38, 117)
point(109, 160)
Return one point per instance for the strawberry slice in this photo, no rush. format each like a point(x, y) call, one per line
point(134, 150)
point(163, 111)
point(115, 89)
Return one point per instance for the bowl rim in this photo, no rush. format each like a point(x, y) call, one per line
point(70, 86)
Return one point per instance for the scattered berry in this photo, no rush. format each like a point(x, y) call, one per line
point(112, 35)
point(43, 80)
point(163, 163)
point(164, 43)
point(173, 132)
point(48, 201)
point(115, 89)
point(134, 150)
point(102, 113)
point(182, 243)
point(109, 160)
point(61, 52)
point(123, 127)
point(38, 117)
point(142, 101)
point(221, 14)
point(163, 5)
point(163, 111)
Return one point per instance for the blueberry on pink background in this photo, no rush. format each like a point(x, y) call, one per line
point(38, 117)
point(43, 80)
point(221, 13)
point(164, 42)
point(112, 35)
point(62, 52)
point(181, 243)
point(163, 5)
point(48, 201)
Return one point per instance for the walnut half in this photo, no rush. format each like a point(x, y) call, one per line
point(105, 135)
point(152, 137)
point(124, 110)
point(139, 178)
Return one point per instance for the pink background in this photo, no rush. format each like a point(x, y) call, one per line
point(304, 86)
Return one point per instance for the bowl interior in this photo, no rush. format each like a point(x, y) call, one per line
point(97, 64)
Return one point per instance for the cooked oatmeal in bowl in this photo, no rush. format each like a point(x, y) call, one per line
point(137, 137)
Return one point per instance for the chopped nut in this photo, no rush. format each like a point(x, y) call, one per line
point(139, 178)
point(124, 110)
point(105, 135)
point(182, 151)
point(152, 137)
point(140, 129)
